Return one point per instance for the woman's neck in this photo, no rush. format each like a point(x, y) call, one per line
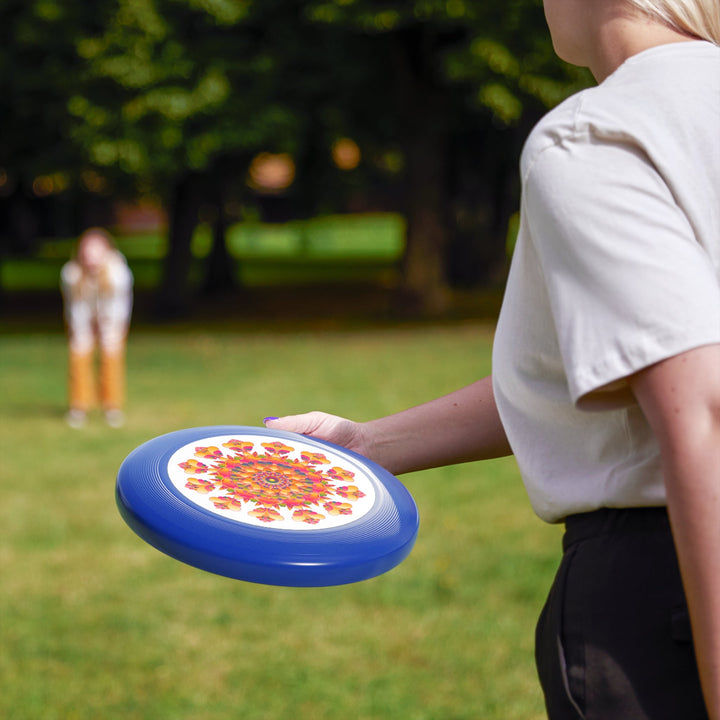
point(620, 37)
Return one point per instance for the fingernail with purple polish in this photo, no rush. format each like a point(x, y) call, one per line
point(269, 418)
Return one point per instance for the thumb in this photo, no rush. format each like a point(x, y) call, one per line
point(304, 424)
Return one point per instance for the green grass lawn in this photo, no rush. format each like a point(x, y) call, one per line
point(96, 624)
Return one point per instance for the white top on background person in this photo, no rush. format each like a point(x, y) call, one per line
point(97, 289)
point(658, 376)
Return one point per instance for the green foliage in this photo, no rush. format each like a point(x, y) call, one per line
point(38, 69)
point(154, 87)
point(97, 624)
point(174, 98)
point(499, 53)
point(185, 81)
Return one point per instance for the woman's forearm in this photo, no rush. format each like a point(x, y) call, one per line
point(681, 400)
point(460, 427)
point(694, 507)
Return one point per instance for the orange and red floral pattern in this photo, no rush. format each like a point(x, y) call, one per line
point(271, 482)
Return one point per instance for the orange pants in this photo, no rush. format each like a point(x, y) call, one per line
point(84, 392)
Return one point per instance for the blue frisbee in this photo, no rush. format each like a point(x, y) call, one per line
point(267, 506)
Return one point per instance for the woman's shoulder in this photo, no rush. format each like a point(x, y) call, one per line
point(652, 99)
point(554, 128)
point(600, 113)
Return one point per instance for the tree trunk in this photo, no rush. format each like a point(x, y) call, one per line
point(220, 266)
point(424, 277)
point(485, 194)
point(424, 145)
point(174, 297)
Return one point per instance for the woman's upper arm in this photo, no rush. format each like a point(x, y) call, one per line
point(680, 397)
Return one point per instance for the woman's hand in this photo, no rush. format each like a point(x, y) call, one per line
point(460, 427)
point(323, 426)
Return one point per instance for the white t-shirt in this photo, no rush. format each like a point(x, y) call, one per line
point(617, 266)
point(97, 308)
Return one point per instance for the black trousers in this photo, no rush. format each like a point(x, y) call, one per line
point(613, 641)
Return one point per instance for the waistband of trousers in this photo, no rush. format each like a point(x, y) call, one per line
point(612, 521)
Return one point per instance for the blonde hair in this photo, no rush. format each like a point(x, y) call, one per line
point(699, 18)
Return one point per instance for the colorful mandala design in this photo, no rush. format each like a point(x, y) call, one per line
point(271, 483)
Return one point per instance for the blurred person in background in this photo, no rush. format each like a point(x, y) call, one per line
point(97, 294)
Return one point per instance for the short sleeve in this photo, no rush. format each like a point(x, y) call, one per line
point(628, 282)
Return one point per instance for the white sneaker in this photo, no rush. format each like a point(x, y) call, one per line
point(115, 418)
point(75, 418)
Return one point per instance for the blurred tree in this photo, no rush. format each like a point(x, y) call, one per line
point(176, 97)
point(456, 84)
point(38, 67)
point(177, 94)
point(182, 94)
